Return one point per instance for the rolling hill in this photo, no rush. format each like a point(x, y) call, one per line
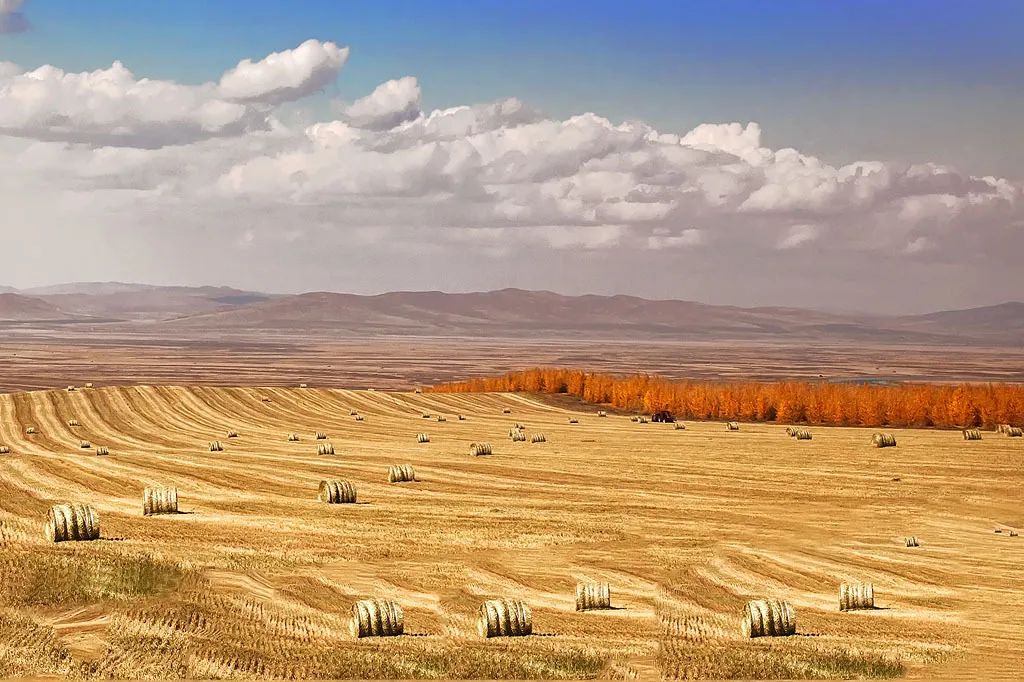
point(507, 313)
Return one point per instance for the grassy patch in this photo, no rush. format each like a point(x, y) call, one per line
point(782, 659)
point(52, 577)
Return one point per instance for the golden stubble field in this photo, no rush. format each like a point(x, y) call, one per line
point(256, 578)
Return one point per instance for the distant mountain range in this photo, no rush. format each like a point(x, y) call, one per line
point(504, 313)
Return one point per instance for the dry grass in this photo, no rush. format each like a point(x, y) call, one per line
point(259, 579)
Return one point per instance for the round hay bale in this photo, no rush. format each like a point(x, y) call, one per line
point(353, 413)
point(590, 596)
point(401, 473)
point(85, 445)
point(912, 541)
point(791, 431)
point(102, 450)
point(293, 437)
point(643, 420)
point(419, 390)
point(159, 500)
point(325, 449)
point(480, 449)
point(303, 386)
point(377, 618)
point(4, 450)
point(215, 446)
point(71, 389)
point(853, 596)
point(441, 418)
point(359, 417)
point(517, 436)
point(320, 435)
point(883, 440)
point(30, 430)
point(89, 385)
point(507, 410)
point(1014, 432)
point(505, 618)
point(732, 426)
point(462, 417)
point(768, 618)
point(538, 438)
point(422, 438)
point(334, 491)
point(426, 416)
point(232, 434)
point(574, 420)
point(72, 522)
point(972, 434)
point(73, 422)
point(679, 426)
point(602, 413)
point(802, 434)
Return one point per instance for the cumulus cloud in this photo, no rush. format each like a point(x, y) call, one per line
point(389, 105)
point(12, 20)
point(284, 76)
point(113, 107)
point(496, 177)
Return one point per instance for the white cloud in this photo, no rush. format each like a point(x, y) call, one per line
point(112, 107)
point(918, 245)
point(797, 235)
point(285, 76)
point(389, 105)
point(491, 178)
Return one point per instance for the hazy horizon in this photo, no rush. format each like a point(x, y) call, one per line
point(785, 155)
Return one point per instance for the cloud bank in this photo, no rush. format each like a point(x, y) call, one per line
point(496, 179)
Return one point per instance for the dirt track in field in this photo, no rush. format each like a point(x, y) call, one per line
point(684, 525)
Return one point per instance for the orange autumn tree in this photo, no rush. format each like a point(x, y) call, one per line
point(790, 402)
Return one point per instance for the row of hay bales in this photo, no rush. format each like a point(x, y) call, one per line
point(497, 617)
point(514, 618)
point(73, 522)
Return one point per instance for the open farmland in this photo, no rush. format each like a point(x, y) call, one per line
point(256, 578)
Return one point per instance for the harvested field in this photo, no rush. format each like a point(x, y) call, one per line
point(255, 577)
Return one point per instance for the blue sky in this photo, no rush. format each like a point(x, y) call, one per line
point(906, 80)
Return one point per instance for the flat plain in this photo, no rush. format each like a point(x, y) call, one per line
point(255, 578)
point(48, 358)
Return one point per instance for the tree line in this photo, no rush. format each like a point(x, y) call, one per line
point(789, 402)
